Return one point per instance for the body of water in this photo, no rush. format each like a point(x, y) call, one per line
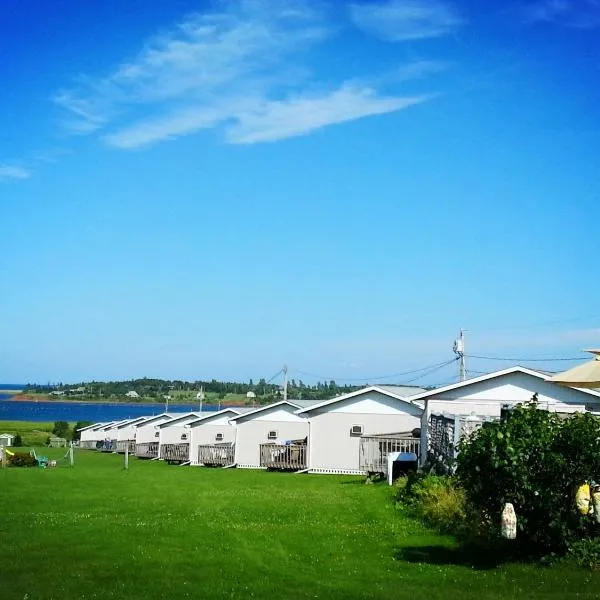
point(84, 411)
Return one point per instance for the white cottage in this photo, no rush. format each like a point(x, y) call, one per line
point(88, 436)
point(126, 434)
point(212, 438)
point(173, 438)
point(487, 394)
point(347, 432)
point(147, 435)
point(272, 436)
point(108, 436)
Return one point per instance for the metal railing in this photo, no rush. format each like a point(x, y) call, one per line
point(288, 457)
point(106, 445)
point(374, 450)
point(216, 455)
point(147, 450)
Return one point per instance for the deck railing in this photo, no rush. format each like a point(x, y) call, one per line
point(88, 444)
point(147, 450)
point(374, 450)
point(289, 457)
point(216, 455)
point(123, 444)
point(175, 452)
point(106, 445)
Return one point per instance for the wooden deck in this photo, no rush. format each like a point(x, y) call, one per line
point(284, 457)
point(374, 450)
point(123, 444)
point(147, 450)
point(107, 446)
point(175, 452)
point(216, 455)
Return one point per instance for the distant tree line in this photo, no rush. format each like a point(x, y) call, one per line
point(158, 388)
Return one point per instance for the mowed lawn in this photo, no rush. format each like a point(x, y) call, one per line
point(160, 531)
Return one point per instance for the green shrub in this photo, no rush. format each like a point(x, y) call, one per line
point(437, 500)
point(535, 460)
point(18, 441)
point(22, 459)
point(586, 553)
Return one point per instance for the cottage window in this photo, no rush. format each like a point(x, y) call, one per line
point(156, 434)
point(219, 437)
point(356, 430)
point(272, 435)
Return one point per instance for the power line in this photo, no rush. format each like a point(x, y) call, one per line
point(323, 377)
point(513, 359)
point(433, 370)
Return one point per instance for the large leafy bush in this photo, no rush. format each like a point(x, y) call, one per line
point(536, 460)
point(22, 459)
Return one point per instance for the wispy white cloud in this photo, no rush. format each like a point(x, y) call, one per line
point(579, 14)
point(13, 172)
point(401, 20)
point(245, 66)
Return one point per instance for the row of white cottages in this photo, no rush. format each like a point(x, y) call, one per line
point(346, 434)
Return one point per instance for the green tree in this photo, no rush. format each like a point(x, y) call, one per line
point(61, 429)
point(18, 441)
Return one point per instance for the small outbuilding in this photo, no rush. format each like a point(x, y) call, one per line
point(57, 442)
point(132, 394)
point(6, 439)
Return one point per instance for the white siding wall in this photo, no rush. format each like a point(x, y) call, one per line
point(331, 447)
point(487, 397)
point(206, 433)
point(126, 433)
point(146, 432)
point(253, 431)
point(89, 435)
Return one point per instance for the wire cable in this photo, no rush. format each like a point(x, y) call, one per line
point(433, 370)
point(393, 375)
point(513, 359)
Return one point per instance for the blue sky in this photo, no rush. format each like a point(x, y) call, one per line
point(214, 189)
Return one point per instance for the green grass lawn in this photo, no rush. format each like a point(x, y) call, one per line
point(165, 532)
point(32, 433)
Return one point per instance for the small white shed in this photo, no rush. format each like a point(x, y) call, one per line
point(266, 428)
point(337, 426)
point(6, 439)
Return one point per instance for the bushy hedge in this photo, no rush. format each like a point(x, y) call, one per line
point(22, 459)
point(536, 460)
point(437, 500)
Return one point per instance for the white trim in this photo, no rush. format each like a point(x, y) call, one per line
point(337, 472)
point(131, 422)
point(92, 426)
point(371, 388)
point(152, 419)
point(494, 375)
point(263, 408)
point(212, 415)
point(175, 421)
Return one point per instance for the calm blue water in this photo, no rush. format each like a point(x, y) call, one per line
point(93, 411)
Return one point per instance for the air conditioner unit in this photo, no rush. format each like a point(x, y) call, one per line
point(272, 435)
point(184, 436)
point(156, 434)
point(219, 437)
point(356, 430)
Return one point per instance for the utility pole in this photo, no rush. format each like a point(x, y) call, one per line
point(285, 381)
point(201, 397)
point(459, 350)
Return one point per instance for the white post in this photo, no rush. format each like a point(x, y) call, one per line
point(201, 396)
point(457, 436)
point(127, 455)
point(285, 381)
point(424, 443)
point(71, 456)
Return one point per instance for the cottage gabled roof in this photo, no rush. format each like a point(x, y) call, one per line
point(495, 375)
point(385, 390)
point(218, 413)
point(181, 420)
point(265, 408)
point(150, 420)
point(131, 422)
point(92, 426)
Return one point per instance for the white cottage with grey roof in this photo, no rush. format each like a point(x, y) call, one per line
point(174, 437)
point(266, 433)
point(147, 436)
point(339, 427)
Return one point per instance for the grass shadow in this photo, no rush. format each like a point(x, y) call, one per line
point(475, 558)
